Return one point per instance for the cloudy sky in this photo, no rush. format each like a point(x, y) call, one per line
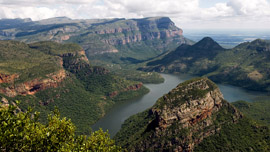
point(189, 14)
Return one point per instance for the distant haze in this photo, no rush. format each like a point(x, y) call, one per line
point(228, 38)
point(198, 14)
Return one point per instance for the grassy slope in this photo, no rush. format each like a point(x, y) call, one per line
point(17, 57)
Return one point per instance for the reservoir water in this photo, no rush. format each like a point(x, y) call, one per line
point(114, 118)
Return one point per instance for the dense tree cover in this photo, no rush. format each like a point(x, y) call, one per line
point(245, 135)
point(21, 131)
point(258, 110)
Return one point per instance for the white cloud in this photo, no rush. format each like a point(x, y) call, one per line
point(186, 13)
point(43, 2)
point(250, 7)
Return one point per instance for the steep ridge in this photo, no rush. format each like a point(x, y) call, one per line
point(182, 120)
point(49, 74)
point(246, 65)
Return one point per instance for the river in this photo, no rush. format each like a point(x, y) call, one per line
point(114, 118)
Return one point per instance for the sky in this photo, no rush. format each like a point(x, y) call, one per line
point(187, 14)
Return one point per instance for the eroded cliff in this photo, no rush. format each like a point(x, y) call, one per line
point(35, 85)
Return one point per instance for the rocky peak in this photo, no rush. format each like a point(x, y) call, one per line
point(188, 103)
point(181, 119)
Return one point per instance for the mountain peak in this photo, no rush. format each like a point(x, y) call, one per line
point(207, 39)
point(208, 43)
point(189, 90)
point(185, 116)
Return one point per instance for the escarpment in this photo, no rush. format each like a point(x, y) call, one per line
point(136, 30)
point(155, 35)
point(136, 38)
point(179, 120)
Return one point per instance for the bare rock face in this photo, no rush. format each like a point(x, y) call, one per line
point(181, 119)
point(192, 110)
point(136, 30)
point(35, 85)
point(4, 78)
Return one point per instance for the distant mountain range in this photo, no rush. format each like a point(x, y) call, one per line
point(116, 40)
point(246, 65)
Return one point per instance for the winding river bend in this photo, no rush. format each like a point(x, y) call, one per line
point(113, 120)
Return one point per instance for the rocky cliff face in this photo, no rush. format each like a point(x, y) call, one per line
point(181, 119)
point(139, 30)
point(153, 35)
point(35, 85)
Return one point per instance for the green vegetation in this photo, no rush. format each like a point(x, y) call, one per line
point(144, 77)
point(246, 65)
point(225, 130)
point(85, 94)
point(130, 72)
point(132, 129)
point(53, 48)
point(82, 107)
point(21, 131)
point(17, 58)
point(258, 110)
point(245, 135)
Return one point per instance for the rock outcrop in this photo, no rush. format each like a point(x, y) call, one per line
point(35, 85)
point(4, 78)
point(181, 119)
point(134, 87)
